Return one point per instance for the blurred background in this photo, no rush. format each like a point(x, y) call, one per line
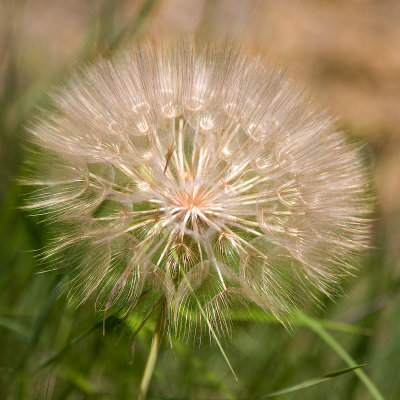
point(348, 53)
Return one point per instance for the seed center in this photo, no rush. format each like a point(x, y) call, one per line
point(195, 207)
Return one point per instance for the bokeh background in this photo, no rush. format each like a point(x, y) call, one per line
point(347, 52)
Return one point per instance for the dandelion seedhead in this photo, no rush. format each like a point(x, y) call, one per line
point(199, 177)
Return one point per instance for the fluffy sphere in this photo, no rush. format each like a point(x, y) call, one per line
point(200, 178)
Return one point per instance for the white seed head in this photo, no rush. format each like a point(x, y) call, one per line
point(201, 176)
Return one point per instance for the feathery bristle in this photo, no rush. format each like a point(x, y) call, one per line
point(202, 175)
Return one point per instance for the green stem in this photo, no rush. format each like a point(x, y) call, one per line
point(148, 371)
point(317, 328)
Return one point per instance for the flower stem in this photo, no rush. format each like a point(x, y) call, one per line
point(148, 371)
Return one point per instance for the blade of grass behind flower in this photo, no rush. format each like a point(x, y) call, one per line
point(133, 27)
point(317, 328)
point(314, 381)
point(37, 329)
point(262, 316)
point(77, 379)
point(55, 357)
point(15, 327)
point(73, 341)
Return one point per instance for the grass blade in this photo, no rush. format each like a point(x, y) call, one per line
point(15, 327)
point(73, 341)
point(262, 316)
point(317, 328)
point(314, 381)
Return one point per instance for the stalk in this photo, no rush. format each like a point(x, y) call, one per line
point(148, 371)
